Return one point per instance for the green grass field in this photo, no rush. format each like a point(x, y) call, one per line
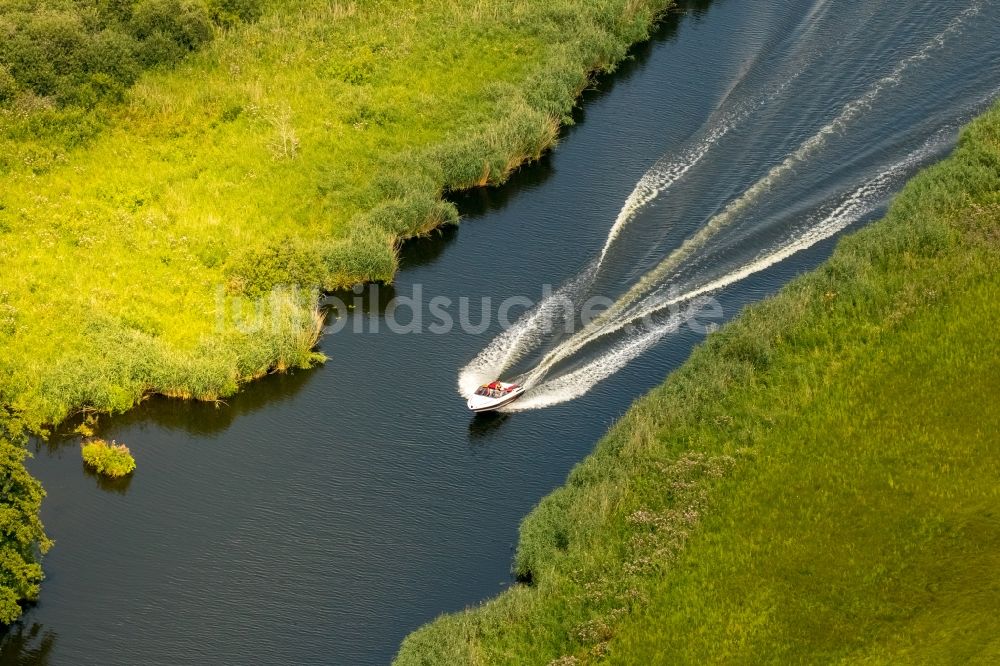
point(818, 483)
point(296, 149)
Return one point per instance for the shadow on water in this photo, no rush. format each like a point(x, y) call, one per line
point(194, 418)
point(26, 644)
point(638, 55)
point(369, 298)
point(118, 486)
point(206, 418)
point(425, 250)
point(483, 427)
point(480, 201)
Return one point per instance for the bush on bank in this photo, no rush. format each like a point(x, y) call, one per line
point(22, 536)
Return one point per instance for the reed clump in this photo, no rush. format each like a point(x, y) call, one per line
point(108, 459)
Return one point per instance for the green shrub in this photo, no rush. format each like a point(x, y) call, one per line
point(186, 24)
point(26, 60)
point(22, 536)
point(113, 53)
point(289, 262)
point(159, 49)
point(228, 13)
point(54, 49)
point(57, 38)
point(8, 86)
point(113, 460)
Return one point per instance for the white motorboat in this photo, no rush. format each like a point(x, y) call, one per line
point(494, 395)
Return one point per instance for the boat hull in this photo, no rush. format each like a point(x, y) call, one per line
point(480, 404)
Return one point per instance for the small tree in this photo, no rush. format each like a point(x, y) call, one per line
point(22, 536)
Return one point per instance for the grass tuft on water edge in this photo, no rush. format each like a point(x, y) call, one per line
point(112, 460)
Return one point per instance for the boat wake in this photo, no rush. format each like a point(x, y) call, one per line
point(677, 289)
point(863, 201)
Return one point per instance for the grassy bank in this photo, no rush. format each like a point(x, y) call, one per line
point(297, 149)
point(177, 177)
point(817, 483)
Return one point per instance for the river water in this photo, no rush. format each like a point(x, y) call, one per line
point(321, 516)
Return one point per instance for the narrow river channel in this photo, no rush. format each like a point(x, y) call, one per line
point(319, 517)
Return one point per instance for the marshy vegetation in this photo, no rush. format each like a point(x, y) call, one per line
point(294, 149)
point(817, 483)
point(178, 176)
point(112, 460)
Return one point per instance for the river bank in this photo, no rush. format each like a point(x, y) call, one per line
point(296, 150)
point(816, 482)
point(351, 512)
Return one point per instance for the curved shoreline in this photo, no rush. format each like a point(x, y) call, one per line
point(124, 361)
point(209, 363)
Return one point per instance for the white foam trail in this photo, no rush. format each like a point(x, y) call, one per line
point(666, 172)
point(817, 11)
point(657, 180)
point(848, 113)
point(512, 344)
point(805, 27)
point(862, 201)
point(580, 381)
point(859, 203)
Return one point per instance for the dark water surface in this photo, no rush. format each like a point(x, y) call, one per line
point(320, 517)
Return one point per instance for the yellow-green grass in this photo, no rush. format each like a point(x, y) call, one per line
point(818, 483)
point(297, 149)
